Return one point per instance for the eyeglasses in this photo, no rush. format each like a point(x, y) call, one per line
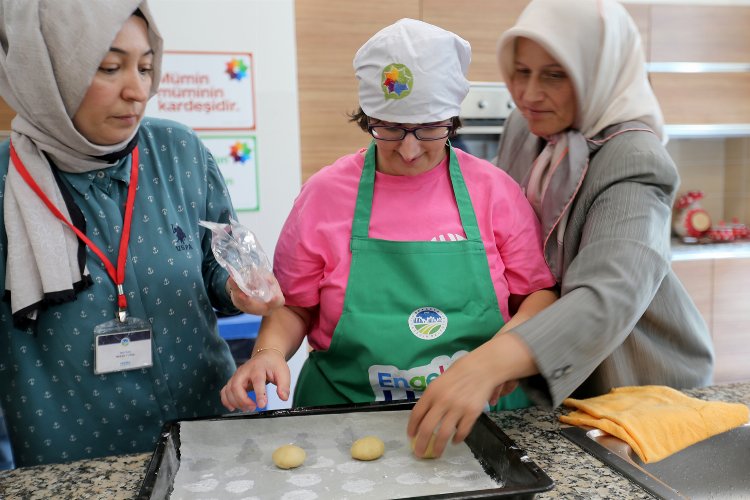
point(396, 133)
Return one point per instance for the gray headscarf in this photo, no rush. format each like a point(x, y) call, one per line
point(49, 53)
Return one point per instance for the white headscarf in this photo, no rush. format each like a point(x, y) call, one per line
point(49, 53)
point(598, 44)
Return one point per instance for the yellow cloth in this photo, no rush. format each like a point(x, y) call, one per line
point(654, 420)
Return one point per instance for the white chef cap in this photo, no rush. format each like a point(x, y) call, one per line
point(412, 72)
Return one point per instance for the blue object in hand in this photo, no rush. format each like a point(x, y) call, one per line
point(251, 395)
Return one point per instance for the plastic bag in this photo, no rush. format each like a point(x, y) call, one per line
point(238, 251)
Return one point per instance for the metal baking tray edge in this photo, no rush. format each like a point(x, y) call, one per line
point(521, 477)
point(621, 462)
point(712, 468)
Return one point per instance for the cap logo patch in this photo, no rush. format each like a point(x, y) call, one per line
point(397, 81)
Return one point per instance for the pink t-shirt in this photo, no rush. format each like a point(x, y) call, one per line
point(312, 255)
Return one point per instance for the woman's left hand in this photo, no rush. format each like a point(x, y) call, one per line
point(251, 305)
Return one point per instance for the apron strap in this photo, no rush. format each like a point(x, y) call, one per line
point(363, 209)
point(463, 200)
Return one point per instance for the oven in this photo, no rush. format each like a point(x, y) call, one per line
point(483, 114)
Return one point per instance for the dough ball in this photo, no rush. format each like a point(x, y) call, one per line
point(368, 448)
point(288, 456)
point(429, 452)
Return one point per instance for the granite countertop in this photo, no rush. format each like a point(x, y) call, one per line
point(576, 473)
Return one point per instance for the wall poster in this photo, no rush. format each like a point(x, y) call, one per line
point(236, 157)
point(213, 92)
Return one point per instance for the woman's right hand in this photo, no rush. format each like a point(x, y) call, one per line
point(251, 305)
point(267, 365)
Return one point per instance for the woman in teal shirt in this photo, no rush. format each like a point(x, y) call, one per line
point(102, 341)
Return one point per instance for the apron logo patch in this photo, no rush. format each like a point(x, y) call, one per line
point(428, 323)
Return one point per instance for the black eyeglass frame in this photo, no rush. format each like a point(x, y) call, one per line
point(413, 130)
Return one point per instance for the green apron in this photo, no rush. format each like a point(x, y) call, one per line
point(411, 309)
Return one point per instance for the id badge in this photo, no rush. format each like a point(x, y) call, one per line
point(122, 345)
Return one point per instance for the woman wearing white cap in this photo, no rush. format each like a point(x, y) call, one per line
point(398, 260)
point(586, 145)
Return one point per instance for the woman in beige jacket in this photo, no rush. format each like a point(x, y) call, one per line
point(586, 145)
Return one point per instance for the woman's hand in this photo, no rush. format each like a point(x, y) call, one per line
point(503, 390)
point(453, 401)
point(251, 305)
point(279, 337)
point(266, 365)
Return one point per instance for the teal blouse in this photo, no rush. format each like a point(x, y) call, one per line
point(56, 408)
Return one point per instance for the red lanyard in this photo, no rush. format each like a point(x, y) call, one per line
point(118, 275)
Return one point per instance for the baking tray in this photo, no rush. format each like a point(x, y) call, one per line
point(507, 467)
point(713, 468)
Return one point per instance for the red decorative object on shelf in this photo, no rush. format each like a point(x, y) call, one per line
point(689, 219)
point(740, 231)
point(721, 233)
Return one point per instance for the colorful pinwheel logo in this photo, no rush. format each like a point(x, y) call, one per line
point(240, 152)
point(397, 81)
point(236, 69)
